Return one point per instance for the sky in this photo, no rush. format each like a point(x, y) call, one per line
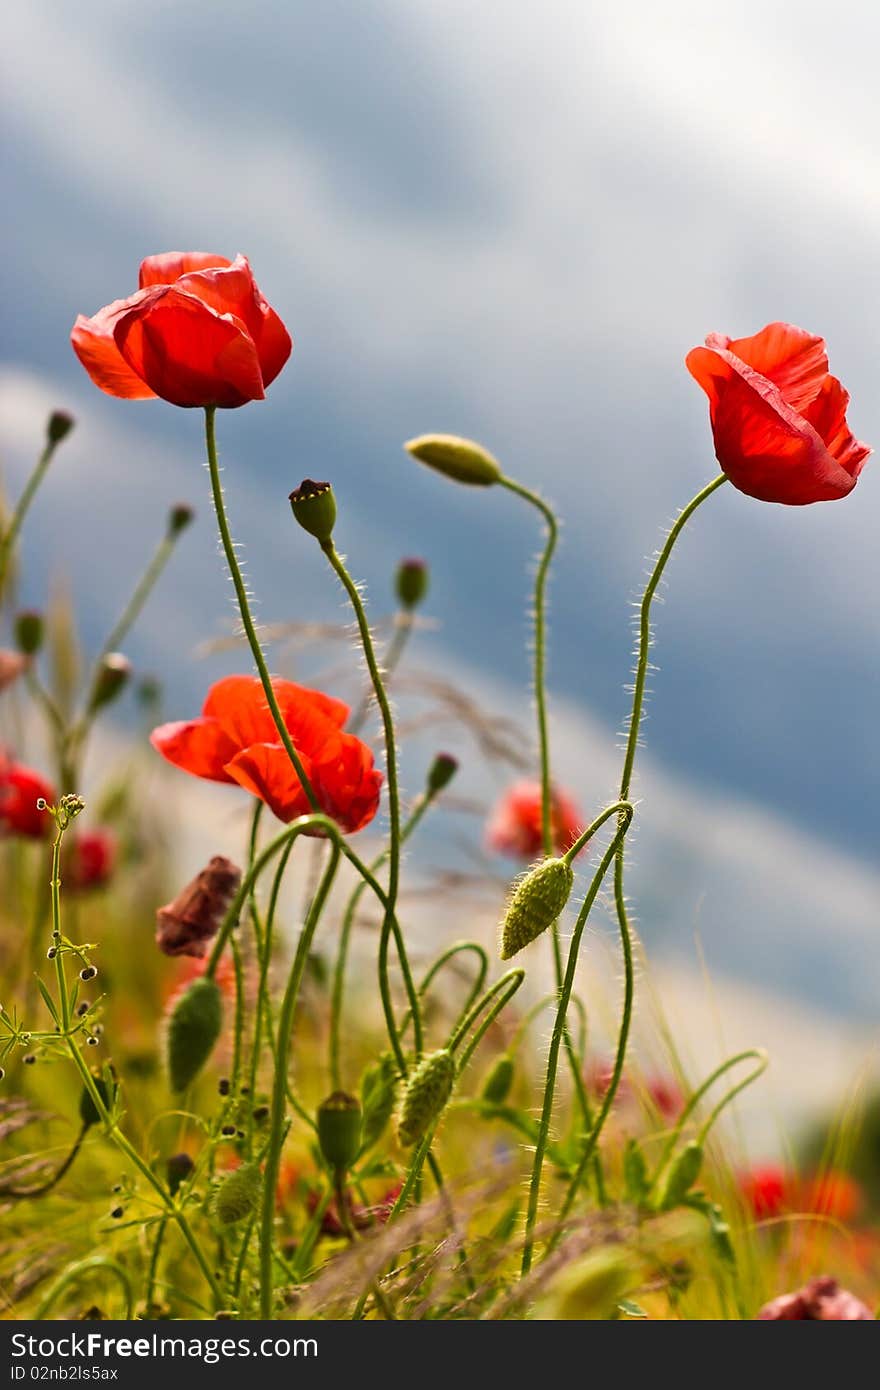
point(507, 221)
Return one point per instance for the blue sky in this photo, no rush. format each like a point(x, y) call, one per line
point(510, 222)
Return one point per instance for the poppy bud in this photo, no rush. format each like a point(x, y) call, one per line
point(29, 628)
point(88, 1110)
point(588, 1289)
point(537, 901)
point(340, 1123)
point(179, 518)
point(499, 1079)
point(113, 675)
point(193, 1029)
point(441, 773)
point(411, 582)
point(314, 507)
point(186, 924)
point(682, 1175)
point(177, 1170)
point(428, 1089)
point(59, 426)
point(238, 1194)
point(635, 1173)
point(378, 1095)
point(459, 459)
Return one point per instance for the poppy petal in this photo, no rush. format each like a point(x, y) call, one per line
point(232, 289)
point(827, 415)
point(347, 784)
point(265, 770)
point(239, 703)
point(794, 360)
point(190, 355)
point(168, 266)
point(95, 346)
point(199, 746)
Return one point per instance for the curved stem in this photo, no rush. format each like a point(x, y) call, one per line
point(83, 1267)
point(456, 949)
point(540, 603)
point(244, 608)
point(56, 1177)
point(394, 844)
point(277, 1127)
point(624, 812)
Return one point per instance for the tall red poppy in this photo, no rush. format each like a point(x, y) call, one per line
point(778, 416)
point(514, 826)
point(236, 740)
point(198, 332)
point(20, 790)
point(89, 860)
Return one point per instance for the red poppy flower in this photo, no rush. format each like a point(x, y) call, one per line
point(515, 824)
point(767, 1191)
point(666, 1095)
point(89, 860)
point(833, 1194)
point(197, 333)
point(778, 417)
point(235, 740)
point(20, 790)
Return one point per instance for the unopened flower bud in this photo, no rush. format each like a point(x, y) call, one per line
point(59, 426)
point(499, 1079)
point(177, 1170)
point(112, 676)
point(427, 1092)
point(340, 1124)
point(314, 506)
point(179, 518)
point(238, 1195)
point(441, 773)
point(378, 1096)
point(460, 459)
point(537, 901)
point(12, 666)
point(193, 1029)
point(29, 630)
point(681, 1176)
point(588, 1289)
point(411, 582)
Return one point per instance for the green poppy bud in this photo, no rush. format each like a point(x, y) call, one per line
point(340, 1124)
point(314, 506)
point(499, 1079)
point(177, 1170)
point(88, 1110)
point(112, 676)
point(411, 582)
point(428, 1089)
point(535, 904)
point(681, 1176)
point(59, 426)
point(588, 1289)
point(29, 630)
point(378, 1097)
point(193, 1029)
point(459, 459)
point(239, 1194)
point(441, 773)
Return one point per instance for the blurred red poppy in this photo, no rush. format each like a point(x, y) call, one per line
point(778, 416)
point(767, 1190)
point(198, 332)
point(12, 665)
point(89, 860)
point(833, 1194)
point(515, 823)
point(235, 740)
point(20, 790)
point(666, 1095)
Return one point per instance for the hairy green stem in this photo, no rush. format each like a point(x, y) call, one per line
point(9, 536)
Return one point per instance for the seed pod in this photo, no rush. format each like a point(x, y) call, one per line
point(378, 1097)
point(499, 1079)
point(180, 516)
point(314, 506)
point(193, 1029)
point(411, 582)
point(535, 904)
point(460, 459)
point(29, 630)
point(441, 773)
point(427, 1091)
point(88, 1110)
point(59, 426)
point(681, 1176)
point(340, 1123)
point(238, 1194)
point(177, 1170)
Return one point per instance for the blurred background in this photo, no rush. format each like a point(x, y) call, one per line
point(509, 222)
